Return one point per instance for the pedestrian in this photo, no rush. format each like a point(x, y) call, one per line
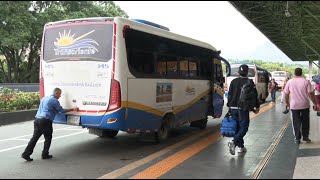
point(299, 90)
point(316, 87)
point(282, 94)
point(240, 115)
point(273, 86)
point(48, 108)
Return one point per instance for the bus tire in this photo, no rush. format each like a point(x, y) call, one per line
point(261, 100)
point(109, 133)
point(203, 123)
point(163, 132)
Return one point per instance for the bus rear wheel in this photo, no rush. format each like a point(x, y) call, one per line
point(163, 132)
point(202, 123)
point(109, 133)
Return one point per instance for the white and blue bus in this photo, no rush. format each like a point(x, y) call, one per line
point(130, 75)
point(280, 77)
point(261, 77)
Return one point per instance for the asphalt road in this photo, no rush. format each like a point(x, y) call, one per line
point(78, 154)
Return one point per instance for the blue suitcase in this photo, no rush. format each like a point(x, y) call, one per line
point(228, 126)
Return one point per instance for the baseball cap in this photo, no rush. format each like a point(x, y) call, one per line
point(243, 69)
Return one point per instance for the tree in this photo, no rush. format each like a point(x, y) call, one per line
point(278, 66)
point(21, 26)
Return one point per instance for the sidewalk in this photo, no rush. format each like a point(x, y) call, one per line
point(272, 153)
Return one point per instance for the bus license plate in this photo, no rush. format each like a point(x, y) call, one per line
point(73, 120)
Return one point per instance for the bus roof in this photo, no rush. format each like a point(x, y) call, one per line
point(151, 24)
point(164, 33)
point(278, 71)
point(95, 19)
point(249, 65)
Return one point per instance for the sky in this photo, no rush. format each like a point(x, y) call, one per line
point(215, 22)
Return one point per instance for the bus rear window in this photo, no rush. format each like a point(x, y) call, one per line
point(234, 72)
point(78, 41)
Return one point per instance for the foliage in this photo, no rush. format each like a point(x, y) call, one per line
point(13, 100)
point(21, 26)
point(278, 66)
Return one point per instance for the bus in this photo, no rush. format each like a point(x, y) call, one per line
point(280, 77)
point(130, 75)
point(260, 77)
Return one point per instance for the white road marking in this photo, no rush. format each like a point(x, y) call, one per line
point(21, 139)
point(59, 137)
point(13, 138)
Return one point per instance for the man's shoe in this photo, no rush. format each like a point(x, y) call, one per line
point(242, 150)
point(27, 158)
point(297, 141)
point(47, 156)
point(286, 110)
point(306, 140)
point(232, 147)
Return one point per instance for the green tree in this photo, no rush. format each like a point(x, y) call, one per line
point(21, 26)
point(278, 66)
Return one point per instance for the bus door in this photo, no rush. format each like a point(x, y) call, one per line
point(217, 87)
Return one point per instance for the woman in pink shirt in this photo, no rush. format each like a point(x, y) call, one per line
point(299, 91)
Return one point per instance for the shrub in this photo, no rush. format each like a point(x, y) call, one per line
point(13, 100)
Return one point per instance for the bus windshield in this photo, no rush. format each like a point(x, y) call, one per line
point(78, 41)
point(234, 72)
point(279, 74)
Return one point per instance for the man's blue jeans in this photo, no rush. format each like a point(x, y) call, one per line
point(273, 96)
point(243, 121)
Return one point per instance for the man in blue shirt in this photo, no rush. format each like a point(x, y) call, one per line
point(48, 108)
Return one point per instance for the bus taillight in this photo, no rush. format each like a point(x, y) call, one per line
point(41, 88)
point(115, 95)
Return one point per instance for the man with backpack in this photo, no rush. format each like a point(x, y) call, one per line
point(242, 98)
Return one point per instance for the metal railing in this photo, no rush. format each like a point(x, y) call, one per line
point(24, 87)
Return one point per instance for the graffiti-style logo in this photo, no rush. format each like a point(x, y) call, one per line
point(190, 91)
point(67, 44)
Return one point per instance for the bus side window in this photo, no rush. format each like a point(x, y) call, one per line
point(141, 61)
point(261, 77)
point(193, 68)
point(205, 69)
point(172, 67)
point(184, 67)
point(161, 67)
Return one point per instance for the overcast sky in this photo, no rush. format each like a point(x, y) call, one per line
point(215, 22)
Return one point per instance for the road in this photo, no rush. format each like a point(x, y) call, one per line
point(78, 154)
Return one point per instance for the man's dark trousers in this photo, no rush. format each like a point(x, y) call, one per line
point(41, 126)
point(301, 120)
point(243, 120)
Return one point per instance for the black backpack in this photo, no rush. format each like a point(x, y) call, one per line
point(248, 96)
